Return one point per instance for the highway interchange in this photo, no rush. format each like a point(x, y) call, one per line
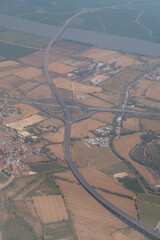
point(65, 104)
point(132, 222)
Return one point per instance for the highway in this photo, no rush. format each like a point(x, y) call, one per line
point(132, 222)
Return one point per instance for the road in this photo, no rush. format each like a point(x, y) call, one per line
point(132, 222)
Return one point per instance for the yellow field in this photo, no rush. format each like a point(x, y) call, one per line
point(93, 101)
point(147, 88)
point(26, 111)
point(81, 129)
point(27, 86)
point(34, 59)
point(119, 81)
point(50, 208)
point(154, 90)
point(82, 152)
point(110, 97)
point(148, 124)
point(149, 103)
point(104, 117)
point(29, 73)
point(9, 82)
point(55, 137)
point(107, 56)
point(20, 124)
point(75, 86)
point(42, 91)
point(11, 71)
point(60, 68)
point(57, 149)
point(131, 124)
point(106, 160)
point(8, 64)
point(51, 122)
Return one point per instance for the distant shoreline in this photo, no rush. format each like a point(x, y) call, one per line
point(97, 39)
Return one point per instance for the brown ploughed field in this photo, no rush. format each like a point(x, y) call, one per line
point(50, 208)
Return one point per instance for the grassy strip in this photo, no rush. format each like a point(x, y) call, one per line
point(12, 52)
point(24, 39)
point(115, 193)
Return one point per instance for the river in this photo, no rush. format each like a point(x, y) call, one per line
point(98, 39)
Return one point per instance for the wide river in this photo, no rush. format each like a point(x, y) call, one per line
point(98, 39)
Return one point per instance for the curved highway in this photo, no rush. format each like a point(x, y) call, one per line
point(132, 222)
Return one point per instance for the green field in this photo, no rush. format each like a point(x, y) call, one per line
point(149, 213)
point(149, 198)
point(59, 230)
point(2, 177)
point(12, 52)
point(116, 168)
point(48, 187)
point(17, 229)
point(46, 167)
point(149, 208)
point(131, 184)
point(24, 39)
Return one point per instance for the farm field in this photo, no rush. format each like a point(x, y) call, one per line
point(76, 87)
point(13, 52)
point(12, 70)
point(25, 39)
point(3, 178)
point(50, 208)
point(148, 103)
point(25, 112)
point(149, 215)
point(57, 149)
point(10, 82)
point(29, 73)
point(87, 213)
point(61, 230)
point(82, 129)
point(35, 203)
point(40, 92)
point(27, 86)
point(112, 97)
point(51, 122)
point(34, 59)
point(123, 146)
point(60, 68)
point(120, 80)
point(56, 137)
point(98, 180)
point(106, 160)
point(147, 88)
point(104, 117)
point(20, 124)
point(93, 101)
point(83, 153)
point(108, 56)
point(148, 124)
point(131, 124)
point(8, 64)
point(69, 47)
point(35, 158)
